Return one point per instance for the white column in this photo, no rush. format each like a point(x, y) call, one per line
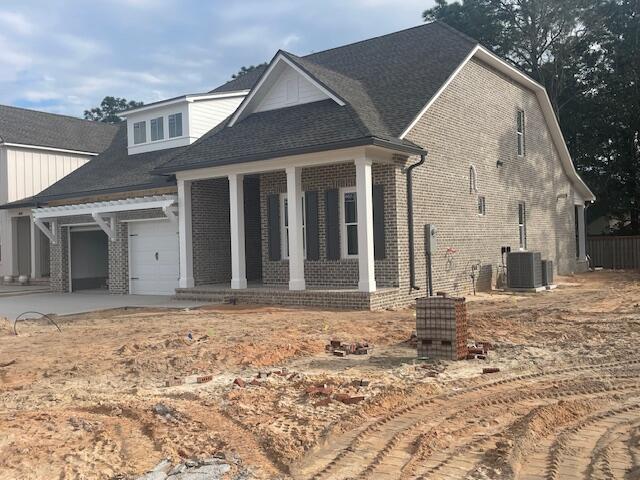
point(236, 213)
point(582, 237)
point(294, 207)
point(35, 250)
point(364, 204)
point(185, 234)
point(6, 244)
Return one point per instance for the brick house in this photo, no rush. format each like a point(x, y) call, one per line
point(317, 188)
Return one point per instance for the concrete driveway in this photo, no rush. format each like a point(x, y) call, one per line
point(70, 303)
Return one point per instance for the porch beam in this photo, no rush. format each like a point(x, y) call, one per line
point(364, 203)
point(236, 214)
point(185, 234)
point(107, 224)
point(50, 232)
point(294, 208)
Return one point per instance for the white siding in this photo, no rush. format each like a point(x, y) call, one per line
point(290, 88)
point(206, 114)
point(29, 171)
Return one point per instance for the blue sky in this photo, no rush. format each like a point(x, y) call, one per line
point(65, 56)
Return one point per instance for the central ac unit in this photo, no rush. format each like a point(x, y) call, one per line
point(524, 270)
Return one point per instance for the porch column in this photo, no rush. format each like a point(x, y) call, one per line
point(185, 234)
point(35, 249)
point(582, 234)
point(364, 202)
point(236, 213)
point(294, 207)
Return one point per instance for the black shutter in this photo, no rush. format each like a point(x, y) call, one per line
point(311, 225)
point(378, 222)
point(273, 218)
point(332, 224)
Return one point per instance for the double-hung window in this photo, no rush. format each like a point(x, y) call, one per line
point(157, 129)
point(520, 133)
point(522, 225)
point(284, 227)
point(349, 222)
point(139, 132)
point(175, 125)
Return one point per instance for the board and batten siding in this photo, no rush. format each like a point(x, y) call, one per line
point(206, 114)
point(29, 171)
point(289, 89)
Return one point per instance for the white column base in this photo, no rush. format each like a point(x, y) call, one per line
point(186, 282)
point(298, 284)
point(367, 286)
point(238, 283)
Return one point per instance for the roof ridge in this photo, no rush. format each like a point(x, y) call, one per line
point(62, 115)
point(422, 25)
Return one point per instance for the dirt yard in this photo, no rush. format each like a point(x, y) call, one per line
point(91, 402)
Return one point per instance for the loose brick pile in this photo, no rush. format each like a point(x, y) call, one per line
point(442, 327)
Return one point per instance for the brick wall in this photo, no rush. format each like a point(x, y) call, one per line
point(211, 231)
point(473, 122)
point(341, 273)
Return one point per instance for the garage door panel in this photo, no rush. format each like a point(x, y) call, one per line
point(154, 257)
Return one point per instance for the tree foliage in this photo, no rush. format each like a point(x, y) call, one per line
point(587, 55)
point(109, 108)
point(244, 70)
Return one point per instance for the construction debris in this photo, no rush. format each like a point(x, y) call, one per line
point(340, 349)
point(490, 370)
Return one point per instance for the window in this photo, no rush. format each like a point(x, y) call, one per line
point(473, 180)
point(520, 133)
point(175, 125)
point(522, 225)
point(284, 230)
point(157, 132)
point(139, 132)
point(482, 207)
point(349, 222)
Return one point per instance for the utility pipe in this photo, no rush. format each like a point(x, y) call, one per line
point(412, 265)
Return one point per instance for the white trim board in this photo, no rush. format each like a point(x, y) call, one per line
point(51, 149)
point(184, 99)
point(505, 68)
point(251, 100)
point(141, 203)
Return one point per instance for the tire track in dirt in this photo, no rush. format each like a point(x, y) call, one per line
point(360, 454)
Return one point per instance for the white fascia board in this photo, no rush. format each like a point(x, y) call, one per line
point(345, 155)
point(105, 207)
point(505, 68)
point(238, 115)
point(52, 149)
point(183, 99)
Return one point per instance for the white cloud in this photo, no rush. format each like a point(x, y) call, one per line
point(16, 22)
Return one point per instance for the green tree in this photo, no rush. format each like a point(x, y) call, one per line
point(109, 108)
point(244, 70)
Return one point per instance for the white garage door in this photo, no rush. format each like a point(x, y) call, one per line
point(153, 257)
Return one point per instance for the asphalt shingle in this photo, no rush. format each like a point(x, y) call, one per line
point(42, 129)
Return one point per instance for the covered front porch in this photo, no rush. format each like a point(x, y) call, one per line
point(326, 229)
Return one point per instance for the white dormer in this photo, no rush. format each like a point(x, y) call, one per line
point(178, 121)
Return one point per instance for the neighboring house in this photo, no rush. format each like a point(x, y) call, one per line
point(302, 195)
point(36, 150)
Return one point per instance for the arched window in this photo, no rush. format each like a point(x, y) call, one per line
point(473, 180)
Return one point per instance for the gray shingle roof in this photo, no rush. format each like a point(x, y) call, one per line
point(385, 82)
point(111, 171)
point(31, 127)
point(243, 82)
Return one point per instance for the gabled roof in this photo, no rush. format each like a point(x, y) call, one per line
point(384, 82)
point(243, 82)
point(42, 129)
point(114, 170)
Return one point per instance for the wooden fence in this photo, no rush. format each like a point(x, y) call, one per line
point(614, 252)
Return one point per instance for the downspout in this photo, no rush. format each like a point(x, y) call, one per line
point(412, 263)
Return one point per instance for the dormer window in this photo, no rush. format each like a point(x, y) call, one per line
point(157, 130)
point(175, 125)
point(139, 132)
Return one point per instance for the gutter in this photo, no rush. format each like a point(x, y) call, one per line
point(412, 262)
